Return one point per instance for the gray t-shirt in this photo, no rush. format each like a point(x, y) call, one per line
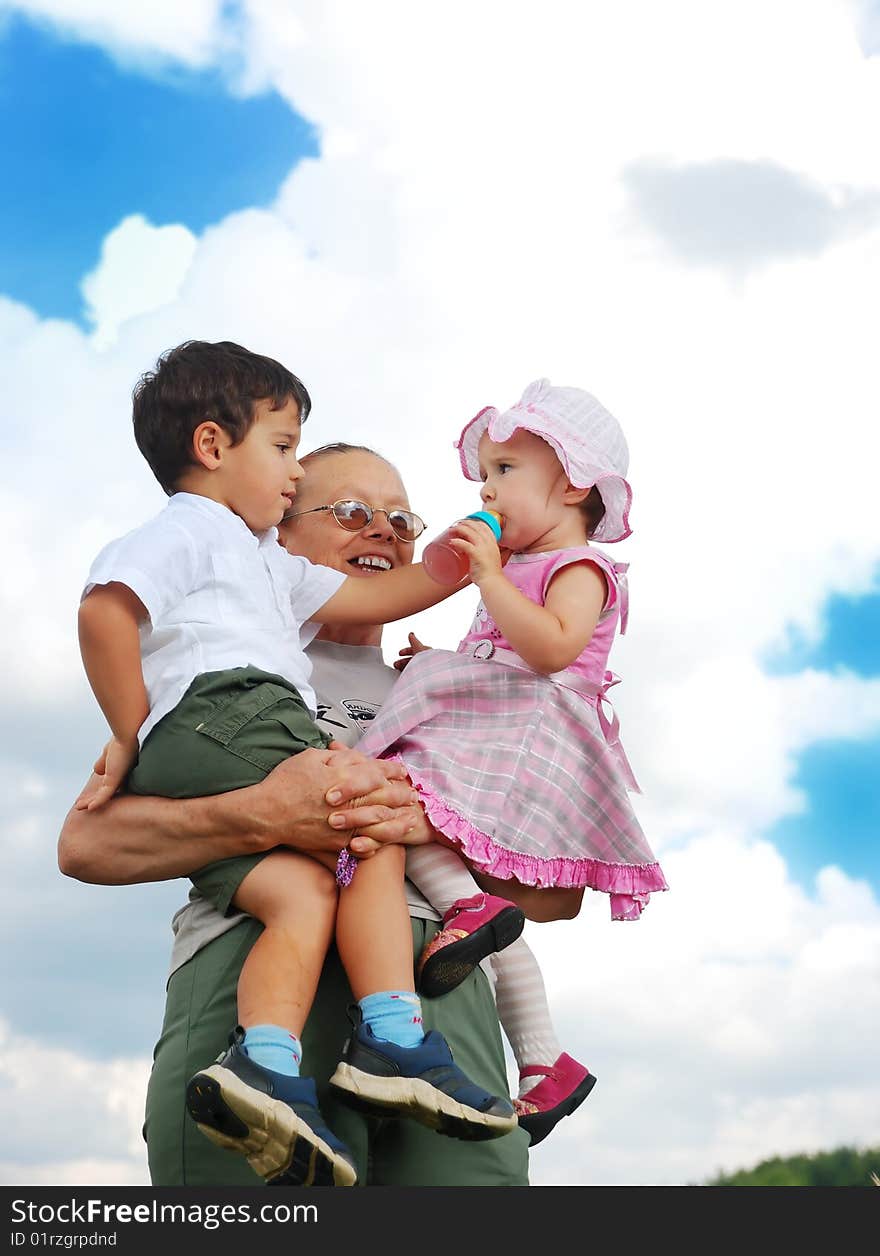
point(352, 682)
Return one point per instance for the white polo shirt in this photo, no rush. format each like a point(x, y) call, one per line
point(218, 597)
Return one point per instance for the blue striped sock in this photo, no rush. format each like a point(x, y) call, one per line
point(274, 1048)
point(394, 1016)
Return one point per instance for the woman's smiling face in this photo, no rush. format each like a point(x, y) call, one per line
point(354, 475)
point(357, 476)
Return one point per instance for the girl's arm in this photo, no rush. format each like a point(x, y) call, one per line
point(108, 638)
point(549, 637)
point(382, 599)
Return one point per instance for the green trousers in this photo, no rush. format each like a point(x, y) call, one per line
point(200, 1011)
point(228, 731)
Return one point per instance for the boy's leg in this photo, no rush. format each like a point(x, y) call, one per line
point(407, 1154)
point(253, 1100)
point(228, 731)
point(200, 1011)
point(390, 1067)
point(373, 935)
point(294, 1142)
point(295, 898)
point(404, 1153)
point(200, 1008)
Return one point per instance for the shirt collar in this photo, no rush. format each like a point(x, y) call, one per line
point(223, 517)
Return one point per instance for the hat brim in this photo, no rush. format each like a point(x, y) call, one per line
point(614, 490)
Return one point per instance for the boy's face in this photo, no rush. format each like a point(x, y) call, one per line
point(261, 473)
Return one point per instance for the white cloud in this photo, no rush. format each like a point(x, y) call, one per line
point(867, 18)
point(735, 1022)
point(740, 214)
point(97, 1121)
point(189, 33)
point(466, 230)
point(142, 268)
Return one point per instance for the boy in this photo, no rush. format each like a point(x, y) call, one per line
point(190, 634)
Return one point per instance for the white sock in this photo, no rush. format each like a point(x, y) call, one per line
point(523, 1009)
point(519, 987)
point(440, 875)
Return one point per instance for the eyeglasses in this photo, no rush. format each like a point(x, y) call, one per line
point(354, 516)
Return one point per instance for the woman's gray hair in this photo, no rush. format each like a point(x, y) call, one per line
point(340, 447)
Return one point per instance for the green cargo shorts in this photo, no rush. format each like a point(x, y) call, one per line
point(228, 731)
point(199, 1010)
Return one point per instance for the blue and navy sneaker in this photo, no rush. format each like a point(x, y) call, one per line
point(423, 1082)
point(270, 1118)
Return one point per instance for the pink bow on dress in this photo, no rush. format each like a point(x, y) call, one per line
point(611, 730)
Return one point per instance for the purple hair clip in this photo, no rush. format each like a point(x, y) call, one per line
point(346, 866)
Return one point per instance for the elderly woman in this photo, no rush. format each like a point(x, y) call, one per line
point(352, 514)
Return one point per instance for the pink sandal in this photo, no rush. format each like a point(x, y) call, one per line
point(472, 929)
point(565, 1086)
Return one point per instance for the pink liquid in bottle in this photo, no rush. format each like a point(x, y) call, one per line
point(443, 562)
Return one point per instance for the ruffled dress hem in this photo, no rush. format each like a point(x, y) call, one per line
point(629, 886)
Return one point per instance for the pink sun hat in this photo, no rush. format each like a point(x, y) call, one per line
point(587, 440)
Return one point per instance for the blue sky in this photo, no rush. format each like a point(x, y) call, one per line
point(85, 143)
point(850, 638)
point(840, 778)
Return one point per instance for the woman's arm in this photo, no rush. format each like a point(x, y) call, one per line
point(384, 598)
point(134, 839)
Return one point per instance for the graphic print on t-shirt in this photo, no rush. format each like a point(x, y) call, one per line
point(355, 713)
point(362, 712)
point(323, 716)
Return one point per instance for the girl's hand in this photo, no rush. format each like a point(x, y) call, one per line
point(111, 768)
point(479, 545)
point(409, 651)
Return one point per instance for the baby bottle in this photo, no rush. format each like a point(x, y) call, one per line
point(443, 562)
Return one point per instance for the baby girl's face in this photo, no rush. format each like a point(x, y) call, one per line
point(524, 481)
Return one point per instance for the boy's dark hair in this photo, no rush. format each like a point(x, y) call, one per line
point(200, 381)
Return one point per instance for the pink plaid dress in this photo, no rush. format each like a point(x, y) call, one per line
point(523, 773)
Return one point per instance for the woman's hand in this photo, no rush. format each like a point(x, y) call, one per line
point(409, 651)
point(293, 804)
point(390, 814)
point(417, 831)
point(387, 808)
